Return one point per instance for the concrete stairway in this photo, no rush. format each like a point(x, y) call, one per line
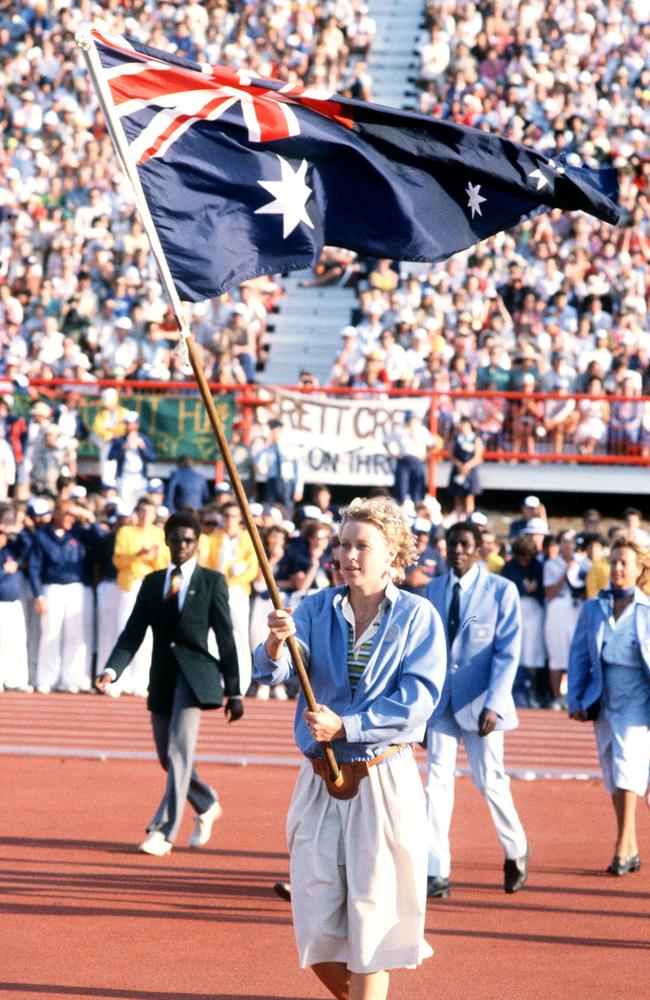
point(305, 333)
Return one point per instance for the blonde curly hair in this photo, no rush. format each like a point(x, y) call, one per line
point(389, 519)
point(642, 560)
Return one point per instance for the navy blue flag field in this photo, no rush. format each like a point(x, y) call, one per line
point(245, 176)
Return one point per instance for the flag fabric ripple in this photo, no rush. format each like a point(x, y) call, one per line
point(246, 176)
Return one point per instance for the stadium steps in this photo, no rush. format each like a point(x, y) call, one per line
point(305, 332)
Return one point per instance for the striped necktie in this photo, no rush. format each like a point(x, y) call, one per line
point(173, 590)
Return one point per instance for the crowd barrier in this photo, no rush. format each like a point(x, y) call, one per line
point(516, 427)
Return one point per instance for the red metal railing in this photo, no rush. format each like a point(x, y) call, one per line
point(514, 426)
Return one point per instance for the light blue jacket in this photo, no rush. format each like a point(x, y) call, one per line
point(484, 656)
point(400, 685)
point(585, 674)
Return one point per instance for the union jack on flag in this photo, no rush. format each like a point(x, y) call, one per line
point(246, 176)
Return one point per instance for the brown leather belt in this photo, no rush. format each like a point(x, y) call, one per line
point(351, 772)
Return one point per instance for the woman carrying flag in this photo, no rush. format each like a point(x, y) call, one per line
point(376, 657)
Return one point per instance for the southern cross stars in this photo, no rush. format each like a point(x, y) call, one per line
point(290, 196)
point(474, 199)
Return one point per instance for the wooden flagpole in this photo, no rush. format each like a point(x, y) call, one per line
point(86, 44)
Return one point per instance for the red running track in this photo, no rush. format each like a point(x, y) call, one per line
point(547, 744)
point(84, 915)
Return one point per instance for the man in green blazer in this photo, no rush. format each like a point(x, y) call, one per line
point(181, 604)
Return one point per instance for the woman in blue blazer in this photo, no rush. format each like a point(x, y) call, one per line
point(609, 682)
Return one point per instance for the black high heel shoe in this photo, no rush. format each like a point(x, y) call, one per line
point(620, 866)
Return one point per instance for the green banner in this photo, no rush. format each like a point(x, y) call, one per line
point(176, 424)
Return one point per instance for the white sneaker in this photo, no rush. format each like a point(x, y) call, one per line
point(279, 692)
point(263, 692)
point(43, 688)
point(203, 825)
point(155, 844)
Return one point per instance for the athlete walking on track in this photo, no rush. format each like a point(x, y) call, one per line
point(376, 658)
point(181, 603)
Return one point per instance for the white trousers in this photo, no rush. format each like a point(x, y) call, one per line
point(108, 620)
point(14, 672)
point(65, 648)
point(240, 605)
point(485, 755)
point(135, 679)
point(33, 627)
point(358, 869)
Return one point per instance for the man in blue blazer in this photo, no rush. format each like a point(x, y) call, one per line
point(483, 619)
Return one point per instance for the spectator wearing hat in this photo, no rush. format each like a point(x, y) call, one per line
point(531, 507)
point(107, 426)
point(156, 492)
point(280, 463)
point(131, 453)
point(409, 444)
point(187, 488)
point(429, 562)
point(139, 549)
point(58, 566)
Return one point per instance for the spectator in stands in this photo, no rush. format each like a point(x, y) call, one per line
point(187, 488)
point(632, 527)
point(428, 562)
point(531, 507)
point(231, 552)
point(59, 575)
point(108, 425)
point(280, 463)
point(466, 456)
point(139, 549)
point(14, 670)
point(563, 596)
point(525, 570)
point(131, 453)
point(307, 568)
point(409, 444)
point(275, 540)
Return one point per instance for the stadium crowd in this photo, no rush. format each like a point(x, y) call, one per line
point(71, 567)
point(559, 305)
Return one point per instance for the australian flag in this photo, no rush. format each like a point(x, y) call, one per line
point(246, 176)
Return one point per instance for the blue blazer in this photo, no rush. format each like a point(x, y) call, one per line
point(483, 658)
point(585, 674)
point(400, 684)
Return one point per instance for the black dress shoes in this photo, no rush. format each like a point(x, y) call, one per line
point(620, 866)
point(283, 890)
point(438, 888)
point(515, 873)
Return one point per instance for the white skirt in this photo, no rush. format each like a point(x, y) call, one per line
point(623, 729)
point(533, 652)
point(559, 626)
point(359, 869)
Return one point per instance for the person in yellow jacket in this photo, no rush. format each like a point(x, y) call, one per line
point(108, 425)
point(140, 548)
point(231, 552)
